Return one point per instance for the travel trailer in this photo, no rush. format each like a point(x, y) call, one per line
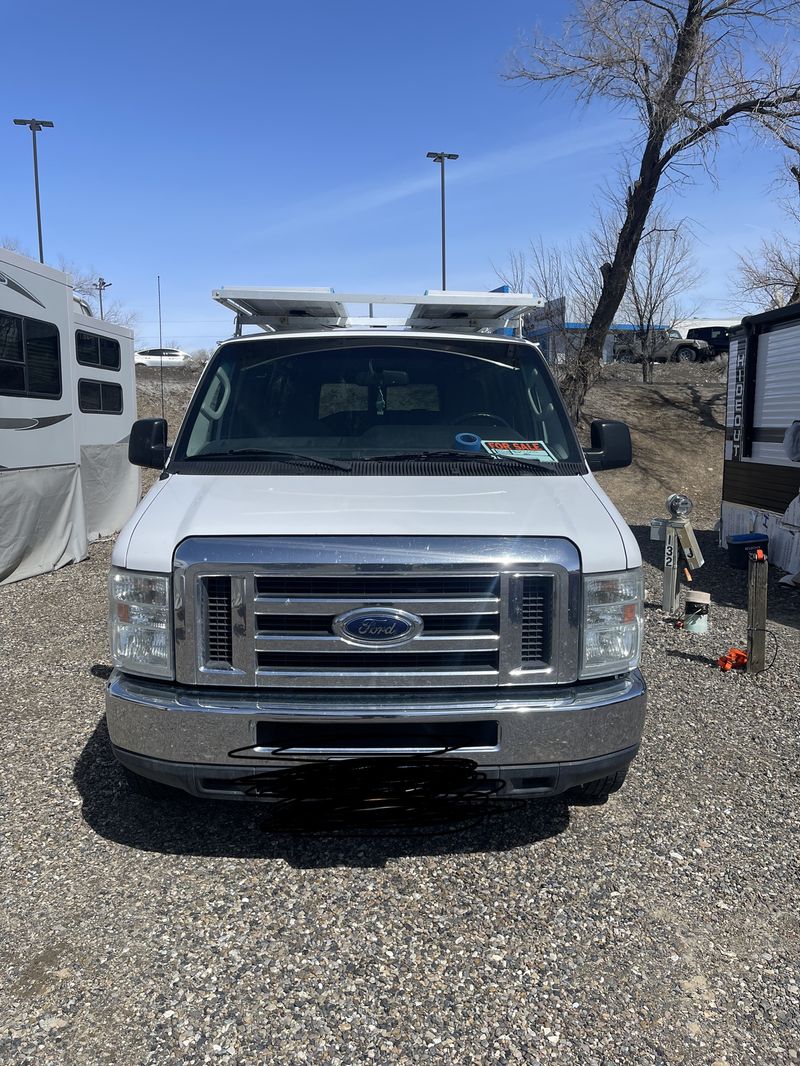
point(67, 403)
point(761, 481)
point(377, 541)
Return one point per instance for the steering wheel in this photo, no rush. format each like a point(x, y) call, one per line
point(482, 414)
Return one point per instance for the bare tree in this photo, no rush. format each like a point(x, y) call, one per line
point(663, 272)
point(84, 284)
point(565, 277)
point(686, 71)
point(769, 275)
point(13, 244)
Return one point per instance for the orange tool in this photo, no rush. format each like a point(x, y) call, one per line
point(733, 659)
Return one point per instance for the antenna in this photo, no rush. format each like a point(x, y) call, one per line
point(160, 344)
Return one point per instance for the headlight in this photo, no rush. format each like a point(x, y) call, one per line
point(612, 622)
point(141, 622)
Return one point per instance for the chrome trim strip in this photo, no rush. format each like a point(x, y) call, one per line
point(311, 605)
point(277, 642)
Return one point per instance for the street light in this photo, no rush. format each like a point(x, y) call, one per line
point(100, 285)
point(36, 124)
point(439, 157)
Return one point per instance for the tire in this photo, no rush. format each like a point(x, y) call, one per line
point(143, 786)
point(685, 355)
point(626, 356)
point(598, 791)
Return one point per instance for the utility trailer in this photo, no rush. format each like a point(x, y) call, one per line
point(761, 482)
point(67, 403)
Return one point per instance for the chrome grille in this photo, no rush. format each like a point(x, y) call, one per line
point(495, 611)
point(294, 628)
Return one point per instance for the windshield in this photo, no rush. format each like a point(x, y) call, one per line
point(351, 399)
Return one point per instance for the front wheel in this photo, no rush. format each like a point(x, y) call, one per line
point(626, 356)
point(596, 792)
point(686, 355)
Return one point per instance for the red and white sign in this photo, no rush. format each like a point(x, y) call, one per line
point(534, 450)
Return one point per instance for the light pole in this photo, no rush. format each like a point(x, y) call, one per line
point(100, 285)
point(439, 157)
point(36, 124)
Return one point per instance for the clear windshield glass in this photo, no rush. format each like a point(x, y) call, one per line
point(364, 399)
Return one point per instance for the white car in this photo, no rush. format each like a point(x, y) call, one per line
point(166, 357)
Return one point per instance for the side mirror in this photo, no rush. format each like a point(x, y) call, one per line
point(147, 445)
point(611, 446)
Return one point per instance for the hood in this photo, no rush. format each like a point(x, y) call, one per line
point(184, 506)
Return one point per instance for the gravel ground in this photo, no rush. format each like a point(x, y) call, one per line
point(658, 928)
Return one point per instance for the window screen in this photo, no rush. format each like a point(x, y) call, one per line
point(30, 357)
point(99, 397)
point(93, 350)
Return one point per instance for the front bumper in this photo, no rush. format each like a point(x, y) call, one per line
point(548, 738)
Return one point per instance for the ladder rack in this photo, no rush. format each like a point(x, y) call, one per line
point(282, 310)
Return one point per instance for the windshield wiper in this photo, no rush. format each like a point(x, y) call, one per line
point(274, 456)
point(478, 457)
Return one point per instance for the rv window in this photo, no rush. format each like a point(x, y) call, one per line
point(30, 358)
point(99, 397)
point(10, 338)
point(41, 355)
point(93, 350)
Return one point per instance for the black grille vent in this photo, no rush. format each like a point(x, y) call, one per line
point(471, 625)
point(537, 595)
point(219, 649)
point(369, 662)
point(441, 587)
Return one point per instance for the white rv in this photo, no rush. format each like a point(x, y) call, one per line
point(761, 482)
point(67, 403)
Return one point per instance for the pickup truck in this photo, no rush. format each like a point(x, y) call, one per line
point(668, 347)
point(375, 543)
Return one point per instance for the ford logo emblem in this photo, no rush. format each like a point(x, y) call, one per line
point(377, 626)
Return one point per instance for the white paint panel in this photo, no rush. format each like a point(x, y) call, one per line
point(777, 398)
point(318, 505)
point(772, 454)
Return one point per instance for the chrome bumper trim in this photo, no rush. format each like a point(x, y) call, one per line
point(192, 725)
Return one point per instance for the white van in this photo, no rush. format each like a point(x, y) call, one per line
point(376, 542)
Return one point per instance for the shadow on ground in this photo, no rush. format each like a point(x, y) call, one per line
point(188, 826)
point(727, 585)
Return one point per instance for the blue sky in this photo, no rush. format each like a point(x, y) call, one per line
point(282, 144)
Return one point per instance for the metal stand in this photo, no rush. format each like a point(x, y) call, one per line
point(678, 537)
point(757, 573)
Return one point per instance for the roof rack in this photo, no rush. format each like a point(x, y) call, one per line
point(281, 310)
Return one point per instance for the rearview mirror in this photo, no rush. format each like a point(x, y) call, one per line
point(147, 445)
point(611, 446)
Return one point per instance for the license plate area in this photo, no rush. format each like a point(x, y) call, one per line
point(376, 736)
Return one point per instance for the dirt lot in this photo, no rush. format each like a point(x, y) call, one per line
point(659, 928)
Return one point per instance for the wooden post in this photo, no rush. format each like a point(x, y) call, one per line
point(757, 572)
